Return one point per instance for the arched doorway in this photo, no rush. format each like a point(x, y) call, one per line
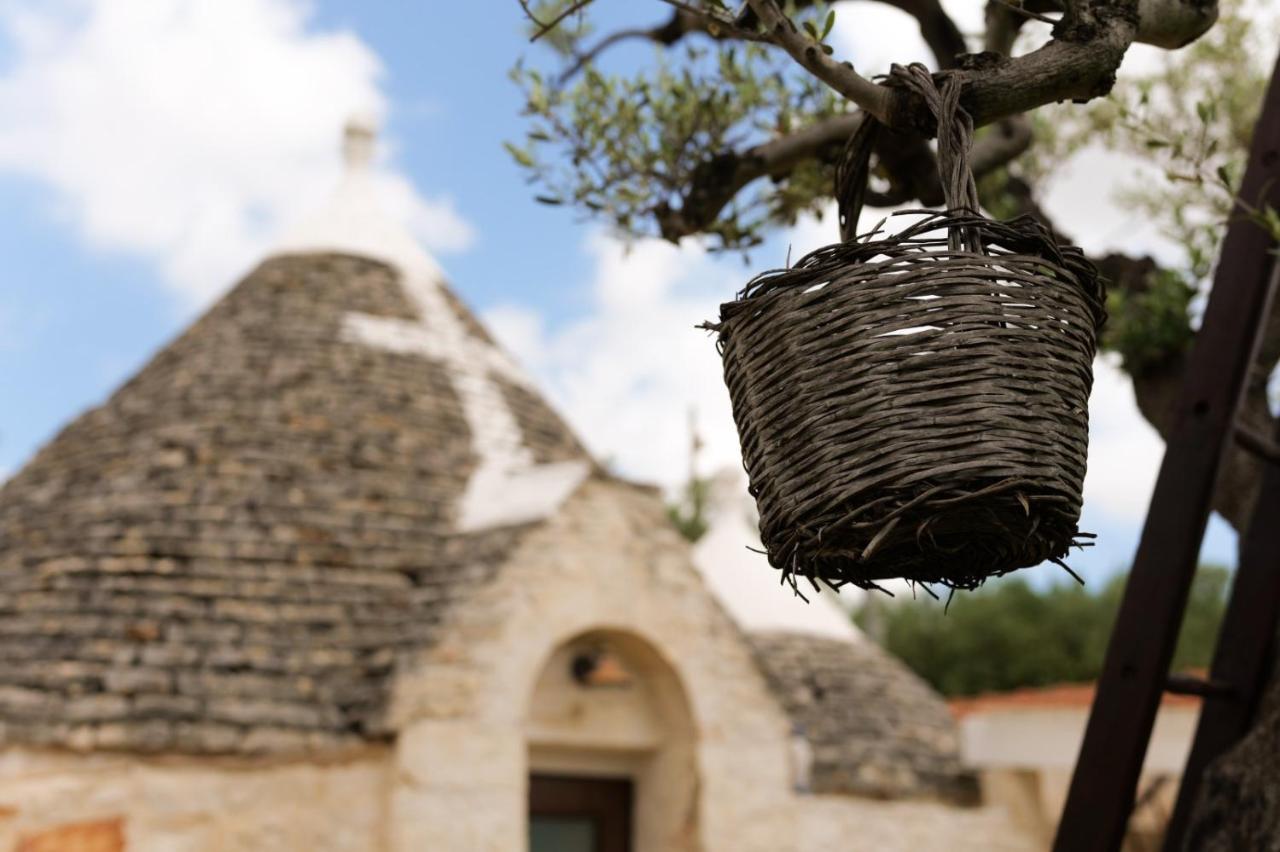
point(611, 750)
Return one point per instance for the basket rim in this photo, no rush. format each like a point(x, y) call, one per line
point(1021, 239)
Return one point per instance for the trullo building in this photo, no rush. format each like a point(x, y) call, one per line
point(330, 574)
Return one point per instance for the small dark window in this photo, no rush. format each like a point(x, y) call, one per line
point(579, 814)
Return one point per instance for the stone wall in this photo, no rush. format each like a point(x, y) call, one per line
point(848, 823)
point(59, 801)
point(456, 778)
point(609, 562)
point(610, 565)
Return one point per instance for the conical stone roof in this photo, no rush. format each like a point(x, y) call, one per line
point(233, 551)
point(872, 726)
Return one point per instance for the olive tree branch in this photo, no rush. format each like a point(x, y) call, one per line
point(936, 27)
point(717, 26)
point(840, 76)
point(938, 30)
point(906, 159)
point(586, 57)
point(1078, 63)
point(544, 27)
point(721, 177)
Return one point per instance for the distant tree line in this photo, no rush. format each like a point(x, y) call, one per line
point(1010, 634)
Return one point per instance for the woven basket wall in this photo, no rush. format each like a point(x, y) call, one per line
point(916, 405)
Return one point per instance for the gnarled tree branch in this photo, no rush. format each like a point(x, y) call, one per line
point(585, 58)
point(1156, 391)
point(840, 76)
point(937, 28)
point(1009, 138)
point(1174, 23)
point(1079, 63)
point(906, 159)
point(724, 175)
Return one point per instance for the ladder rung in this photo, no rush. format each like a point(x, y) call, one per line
point(1257, 443)
point(1180, 684)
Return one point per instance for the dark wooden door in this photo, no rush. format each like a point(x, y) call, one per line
point(579, 814)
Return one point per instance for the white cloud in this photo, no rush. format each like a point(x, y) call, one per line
point(874, 35)
point(812, 232)
point(1080, 196)
point(189, 132)
point(1124, 450)
point(627, 374)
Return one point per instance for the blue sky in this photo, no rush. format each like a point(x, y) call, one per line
point(149, 155)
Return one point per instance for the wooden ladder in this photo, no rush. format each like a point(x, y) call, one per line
point(1136, 671)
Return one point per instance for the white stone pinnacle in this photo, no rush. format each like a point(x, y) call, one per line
point(359, 139)
point(729, 559)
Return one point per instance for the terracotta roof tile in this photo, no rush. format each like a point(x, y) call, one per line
point(1057, 696)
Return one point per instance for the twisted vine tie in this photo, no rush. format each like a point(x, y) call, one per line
point(852, 174)
point(955, 140)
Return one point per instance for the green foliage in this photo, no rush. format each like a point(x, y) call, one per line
point(638, 144)
point(689, 512)
point(1010, 635)
point(1193, 118)
point(1148, 326)
point(623, 146)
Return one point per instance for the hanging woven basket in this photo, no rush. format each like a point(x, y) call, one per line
point(916, 405)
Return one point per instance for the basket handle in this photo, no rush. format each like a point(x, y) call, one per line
point(852, 174)
point(955, 139)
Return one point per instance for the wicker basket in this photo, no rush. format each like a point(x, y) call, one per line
point(916, 405)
